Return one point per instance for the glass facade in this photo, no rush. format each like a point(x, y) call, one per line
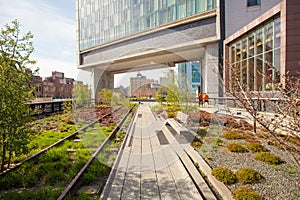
point(189, 75)
point(102, 21)
point(255, 57)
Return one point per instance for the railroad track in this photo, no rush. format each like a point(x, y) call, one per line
point(73, 186)
point(58, 143)
point(37, 159)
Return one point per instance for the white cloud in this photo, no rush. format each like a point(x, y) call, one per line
point(54, 33)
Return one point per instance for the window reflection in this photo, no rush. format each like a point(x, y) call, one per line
point(119, 18)
point(256, 57)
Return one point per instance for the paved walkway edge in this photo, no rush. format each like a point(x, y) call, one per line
point(108, 186)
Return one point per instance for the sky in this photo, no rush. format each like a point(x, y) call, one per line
point(53, 24)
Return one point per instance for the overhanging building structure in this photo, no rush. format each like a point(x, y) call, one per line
point(117, 36)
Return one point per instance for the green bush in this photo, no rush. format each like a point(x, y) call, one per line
point(224, 175)
point(45, 194)
point(202, 132)
point(268, 158)
point(248, 176)
point(256, 147)
point(236, 147)
point(233, 136)
point(244, 193)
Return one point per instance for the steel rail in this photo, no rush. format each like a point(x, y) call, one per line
point(59, 142)
point(73, 185)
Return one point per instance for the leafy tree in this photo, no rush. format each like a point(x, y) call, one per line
point(82, 95)
point(160, 95)
point(104, 96)
point(15, 91)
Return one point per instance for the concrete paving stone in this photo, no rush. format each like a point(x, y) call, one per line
point(148, 176)
point(178, 171)
point(115, 193)
point(187, 189)
point(147, 162)
point(160, 161)
point(166, 184)
point(118, 179)
point(123, 162)
point(131, 188)
point(178, 149)
point(149, 190)
point(154, 142)
point(136, 145)
point(146, 145)
point(170, 155)
point(134, 163)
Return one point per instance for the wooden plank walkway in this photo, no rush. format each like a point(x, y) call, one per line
point(152, 164)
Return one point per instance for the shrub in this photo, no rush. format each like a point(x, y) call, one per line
point(171, 114)
point(233, 136)
point(244, 193)
point(256, 147)
point(268, 158)
point(248, 176)
point(224, 175)
point(236, 147)
point(202, 132)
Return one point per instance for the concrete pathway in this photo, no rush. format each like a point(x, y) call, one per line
point(148, 165)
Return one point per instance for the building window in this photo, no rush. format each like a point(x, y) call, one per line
point(113, 19)
point(255, 58)
point(253, 3)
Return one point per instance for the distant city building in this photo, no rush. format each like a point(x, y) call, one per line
point(56, 86)
point(148, 90)
point(169, 78)
point(189, 76)
point(137, 82)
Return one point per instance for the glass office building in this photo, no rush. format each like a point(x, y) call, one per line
point(102, 21)
point(255, 57)
point(189, 76)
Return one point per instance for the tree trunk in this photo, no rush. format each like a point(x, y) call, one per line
point(254, 124)
point(9, 158)
point(3, 153)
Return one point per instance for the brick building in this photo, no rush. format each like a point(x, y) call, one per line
point(56, 86)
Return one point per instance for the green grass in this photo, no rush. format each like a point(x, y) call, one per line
point(57, 166)
point(43, 194)
point(44, 136)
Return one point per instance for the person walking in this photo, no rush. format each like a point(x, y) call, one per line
point(200, 99)
point(206, 99)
